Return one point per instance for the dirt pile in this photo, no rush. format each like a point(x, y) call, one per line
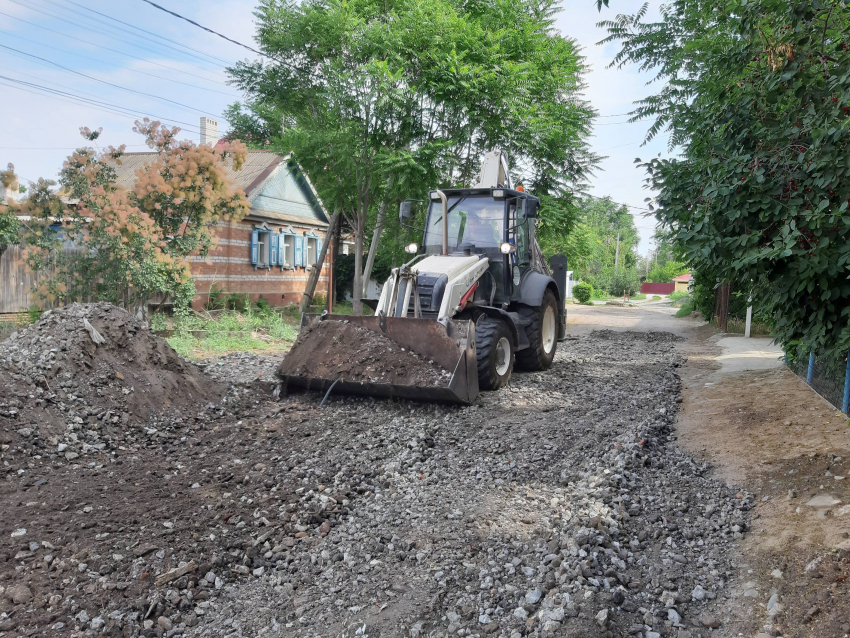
point(341, 350)
point(55, 375)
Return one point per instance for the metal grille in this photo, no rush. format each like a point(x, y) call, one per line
point(826, 375)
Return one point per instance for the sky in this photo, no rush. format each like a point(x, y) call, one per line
point(71, 63)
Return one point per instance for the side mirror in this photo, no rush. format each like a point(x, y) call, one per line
point(404, 211)
point(531, 206)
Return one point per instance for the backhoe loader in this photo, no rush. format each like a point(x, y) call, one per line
point(477, 296)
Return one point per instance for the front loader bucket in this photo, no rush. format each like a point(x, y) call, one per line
point(452, 347)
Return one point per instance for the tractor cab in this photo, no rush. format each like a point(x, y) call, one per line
point(492, 223)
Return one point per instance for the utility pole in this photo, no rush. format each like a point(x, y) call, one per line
point(617, 255)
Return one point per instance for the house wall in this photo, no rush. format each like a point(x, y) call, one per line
point(228, 266)
point(681, 286)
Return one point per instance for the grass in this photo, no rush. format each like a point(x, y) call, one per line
point(232, 331)
point(638, 297)
point(679, 295)
point(686, 309)
point(757, 328)
point(6, 329)
point(264, 331)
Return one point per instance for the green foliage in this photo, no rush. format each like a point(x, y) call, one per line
point(664, 273)
point(615, 284)
point(9, 228)
point(582, 292)
point(34, 313)
point(591, 245)
point(678, 295)
point(686, 310)
point(344, 276)
point(158, 321)
point(216, 298)
point(382, 102)
point(126, 246)
point(9, 224)
point(757, 96)
point(255, 123)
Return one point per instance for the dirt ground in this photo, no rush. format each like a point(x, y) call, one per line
point(762, 428)
point(671, 484)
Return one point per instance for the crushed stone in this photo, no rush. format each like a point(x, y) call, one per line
point(560, 506)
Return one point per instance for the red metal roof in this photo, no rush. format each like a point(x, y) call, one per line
point(685, 277)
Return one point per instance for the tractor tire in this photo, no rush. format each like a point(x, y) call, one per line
point(542, 334)
point(495, 352)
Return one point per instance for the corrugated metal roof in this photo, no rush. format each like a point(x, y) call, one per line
point(258, 167)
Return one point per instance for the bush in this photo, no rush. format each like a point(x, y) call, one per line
point(685, 310)
point(582, 292)
point(158, 321)
point(679, 294)
point(216, 299)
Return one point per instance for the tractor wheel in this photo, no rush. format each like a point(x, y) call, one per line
point(542, 334)
point(495, 351)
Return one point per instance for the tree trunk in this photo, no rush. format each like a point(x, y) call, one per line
point(357, 288)
point(373, 247)
point(316, 272)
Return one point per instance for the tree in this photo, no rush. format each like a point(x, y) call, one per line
point(9, 224)
point(122, 246)
point(757, 96)
point(591, 245)
point(664, 273)
point(416, 91)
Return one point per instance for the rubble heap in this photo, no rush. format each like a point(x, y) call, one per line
point(341, 350)
point(93, 368)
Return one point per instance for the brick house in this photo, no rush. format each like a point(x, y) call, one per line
point(270, 252)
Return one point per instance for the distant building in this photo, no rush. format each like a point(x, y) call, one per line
point(682, 283)
point(270, 252)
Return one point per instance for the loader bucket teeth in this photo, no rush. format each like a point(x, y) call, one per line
point(452, 347)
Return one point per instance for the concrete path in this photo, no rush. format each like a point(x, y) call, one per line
point(742, 353)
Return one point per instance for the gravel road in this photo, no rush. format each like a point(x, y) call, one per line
point(560, 506)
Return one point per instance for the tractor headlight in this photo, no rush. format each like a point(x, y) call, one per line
point(507, 248)
point(498, 194)
point(412, 248)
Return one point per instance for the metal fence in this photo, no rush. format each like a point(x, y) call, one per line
point(828, 376)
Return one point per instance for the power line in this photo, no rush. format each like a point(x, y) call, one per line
point(51, 148)
point(208, 30)
point(96, 104)
point(156, 35)
point(97, 28)
point(91, 77)
point(599, 150)
point(100, 46)
point(158, 77)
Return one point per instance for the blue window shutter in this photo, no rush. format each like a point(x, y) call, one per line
point(255, 246)
point(299, 251)
point(275, 239)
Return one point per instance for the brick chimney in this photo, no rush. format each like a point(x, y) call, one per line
point(209, 131)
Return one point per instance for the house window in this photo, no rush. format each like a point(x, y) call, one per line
point(287, 251)
point(264, 240)
point(264, 247)
point(312, 251)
